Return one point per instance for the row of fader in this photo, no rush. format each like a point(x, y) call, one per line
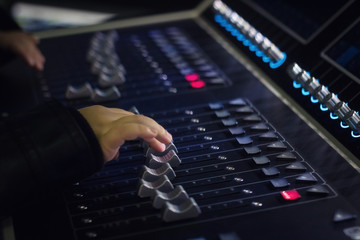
point(155, 182)
point(320, 92)
point(106, 66)
point(248, 35)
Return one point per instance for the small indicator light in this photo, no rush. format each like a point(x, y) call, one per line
point(344, 125)
point(296, 84)
point(192, 77)
point(355, 134)
point(323, 107)
point(333, 116)
point(278, 63)
point(197, 84)
point(305, 92)
point(290, 195)
point(314, 99)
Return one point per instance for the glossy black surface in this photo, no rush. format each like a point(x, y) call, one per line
point(288, 220)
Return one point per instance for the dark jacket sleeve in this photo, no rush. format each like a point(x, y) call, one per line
point(7, 23)
point(42, 150)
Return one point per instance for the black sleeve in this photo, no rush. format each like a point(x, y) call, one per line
point(7, 22)
point(42, 150)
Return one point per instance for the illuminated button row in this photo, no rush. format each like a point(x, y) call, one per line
point(328, 101)
point(248, 35)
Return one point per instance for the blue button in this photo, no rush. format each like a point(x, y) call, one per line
point(229, 236)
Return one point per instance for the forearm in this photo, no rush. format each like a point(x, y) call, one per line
point(46, 148)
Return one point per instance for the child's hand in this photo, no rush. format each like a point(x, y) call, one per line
point(25, 45)
point(113, 127)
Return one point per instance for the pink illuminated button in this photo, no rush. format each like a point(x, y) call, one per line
point(192, 77)
point(198, 84)
point(290, 195)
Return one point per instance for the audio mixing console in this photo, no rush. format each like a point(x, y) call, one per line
point(264, 115)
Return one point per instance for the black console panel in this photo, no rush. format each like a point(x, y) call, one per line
point(242, 165)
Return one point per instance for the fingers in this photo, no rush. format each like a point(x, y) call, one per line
point(33, 58)
point(30, 52)
point(35, 39)
point(142, 121)
point(25, 45)
point(132, 127)
point(113, 126)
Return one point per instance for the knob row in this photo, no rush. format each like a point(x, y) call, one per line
point(105, 62)
point(249, 35)
point(155, 182)
point(324, 96)
point(85, 91)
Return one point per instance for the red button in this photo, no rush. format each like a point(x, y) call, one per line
point(290, 195)
point(192, 77)
point(198, 84)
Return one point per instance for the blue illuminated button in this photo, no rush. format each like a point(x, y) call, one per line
point(222, 114)
point(244, 140)
point(290, 195)
point(261, 127)
point(261, 160)
point(228, 236)
point(279, 182)
point(277, 146)
point(216, 105)
point(270, 171)
point(352, 232)
point(236, 130)
point(307, 177)
point(244, 109)
point(229, 122)
point(209, 74)
point(286, 156)
point(318, 190)
point(269, 136)
point(237, 102)
point(252, 118)
point(342, 215)
point(252, 150)
point(296, 166)
point(206, 67)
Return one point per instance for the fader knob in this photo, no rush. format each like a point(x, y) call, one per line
point(148, 188)
point(171, 157)
point(83, 91)
point(313, 86)
point(323, 95)
point(304, 78)
point(152, 174)
point(294, 70)
point(354, 121)
point(150, 151)
point(176, 196)
point(344, 112)
point(173, 212)
point(109, 94)
point(274, 53)
point(108, 80)
point(334, 103)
